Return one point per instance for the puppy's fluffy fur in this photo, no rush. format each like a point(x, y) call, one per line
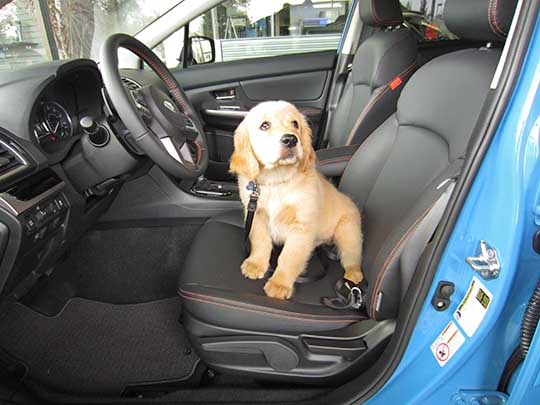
point(297, 206)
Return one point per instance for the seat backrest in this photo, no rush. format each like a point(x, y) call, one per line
point(381, 65)
point(394, 175)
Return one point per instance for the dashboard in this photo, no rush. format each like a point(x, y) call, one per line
point(63, 158)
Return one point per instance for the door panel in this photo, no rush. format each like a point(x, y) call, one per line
point(295, 87)
point(223, 93)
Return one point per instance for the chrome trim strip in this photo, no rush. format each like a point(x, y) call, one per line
point(226, 113)
point(17, 206)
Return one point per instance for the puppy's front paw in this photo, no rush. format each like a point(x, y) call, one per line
point(252, 270)
point(354, 274)
point(277, 289)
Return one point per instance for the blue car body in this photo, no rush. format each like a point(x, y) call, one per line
point(502, 208)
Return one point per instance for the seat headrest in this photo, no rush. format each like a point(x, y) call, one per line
point(484, 20)
point(381, 13)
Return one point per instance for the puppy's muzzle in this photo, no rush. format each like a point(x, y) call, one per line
point(289, 140)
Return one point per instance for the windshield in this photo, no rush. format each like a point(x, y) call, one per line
point(36, 31)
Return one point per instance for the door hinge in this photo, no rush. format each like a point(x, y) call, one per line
point(473, 397)
point(486, 263)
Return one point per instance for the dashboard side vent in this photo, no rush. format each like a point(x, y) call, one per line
point(11, 161)
point(131, 84)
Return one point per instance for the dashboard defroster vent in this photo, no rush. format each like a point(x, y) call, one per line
point(131, 84)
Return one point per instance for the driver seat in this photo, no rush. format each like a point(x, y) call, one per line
point(395, 177)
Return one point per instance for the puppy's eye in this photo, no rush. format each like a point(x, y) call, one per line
point(265, 126)
point(295, 124)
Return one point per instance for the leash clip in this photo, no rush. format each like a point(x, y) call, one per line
point(348, 295)
point(355, 298)
point(253, 196)
point(252, 186)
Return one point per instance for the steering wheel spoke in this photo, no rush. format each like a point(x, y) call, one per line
point(162, 122)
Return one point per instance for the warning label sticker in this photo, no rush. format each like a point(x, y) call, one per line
point(447, 344)
point(474, 306)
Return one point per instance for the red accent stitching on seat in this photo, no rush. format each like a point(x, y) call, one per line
point(336, 159)
point(496, 21)
point(492, 19)
point(391, 257)
point(272, 314)
point(373, 101)
point(242, 305)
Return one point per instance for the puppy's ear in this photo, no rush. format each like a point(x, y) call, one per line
point(243, 160)
point(308, 161)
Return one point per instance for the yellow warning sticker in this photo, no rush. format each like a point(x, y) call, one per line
point(474, 306)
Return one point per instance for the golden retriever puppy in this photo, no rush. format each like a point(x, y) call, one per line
point(297, 208)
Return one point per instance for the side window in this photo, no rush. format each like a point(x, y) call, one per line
point(425, 17)
point(240, 29)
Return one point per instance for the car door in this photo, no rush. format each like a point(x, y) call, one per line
point(276, 52)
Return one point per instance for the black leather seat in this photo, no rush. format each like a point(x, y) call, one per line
point(381, 66)
point(394, 177)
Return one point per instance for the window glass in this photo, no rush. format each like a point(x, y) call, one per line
point(34, 31)
point(425, 17)
point(259, 28)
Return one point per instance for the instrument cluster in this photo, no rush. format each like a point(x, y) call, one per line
point(53, 124)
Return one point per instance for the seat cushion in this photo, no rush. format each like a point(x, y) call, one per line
point(215, 291)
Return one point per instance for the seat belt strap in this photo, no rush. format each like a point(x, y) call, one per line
point(251, 208)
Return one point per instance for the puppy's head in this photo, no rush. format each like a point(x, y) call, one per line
point(273, 134)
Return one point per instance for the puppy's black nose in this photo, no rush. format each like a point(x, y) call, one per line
point(289, 140)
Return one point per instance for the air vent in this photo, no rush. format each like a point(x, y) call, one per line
point(11, 161)
point(131, 84)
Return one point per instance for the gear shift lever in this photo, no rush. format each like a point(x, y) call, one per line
point(203, 186)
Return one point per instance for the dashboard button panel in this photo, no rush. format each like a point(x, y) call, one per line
point(45, 217)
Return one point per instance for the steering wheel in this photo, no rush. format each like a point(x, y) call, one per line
point(164, 125)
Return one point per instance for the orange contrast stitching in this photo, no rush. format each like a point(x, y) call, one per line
point(183, 294)
point(389, 260)
point(372, 102)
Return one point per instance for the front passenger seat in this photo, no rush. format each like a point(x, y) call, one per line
point(381, 66)
point(396, 177)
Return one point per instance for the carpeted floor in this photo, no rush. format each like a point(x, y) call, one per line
point(98, 348)
point(119, 266)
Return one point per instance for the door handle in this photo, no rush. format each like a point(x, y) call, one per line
point(222, 95)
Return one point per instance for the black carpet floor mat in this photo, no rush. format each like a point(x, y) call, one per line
point(119, 266)
point(98, 348)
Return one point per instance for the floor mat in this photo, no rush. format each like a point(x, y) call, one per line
point(98, 348)
point(126, 265)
